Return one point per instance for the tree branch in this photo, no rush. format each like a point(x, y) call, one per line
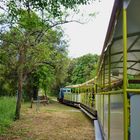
point(40, 36)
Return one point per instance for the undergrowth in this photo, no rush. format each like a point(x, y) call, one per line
point(7, 110)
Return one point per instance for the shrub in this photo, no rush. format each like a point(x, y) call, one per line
point(7, 110)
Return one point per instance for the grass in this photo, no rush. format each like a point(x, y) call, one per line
point(7, 110)
point(51, 122)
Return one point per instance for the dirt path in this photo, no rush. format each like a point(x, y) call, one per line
point(52, 122)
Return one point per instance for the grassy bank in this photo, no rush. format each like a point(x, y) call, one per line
point(7, 110)
point(53, 121)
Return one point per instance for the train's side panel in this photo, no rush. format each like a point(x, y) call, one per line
point(118, 79)
point(135, 116)
point(119, 64)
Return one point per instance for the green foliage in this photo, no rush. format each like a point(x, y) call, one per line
point(53, 7)
point(44, 60)
point(28, 42)
point(29, 22)
point(133, 86)
point(7, 110)
point(82, 69)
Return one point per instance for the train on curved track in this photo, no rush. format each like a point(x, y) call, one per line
point(112, 98)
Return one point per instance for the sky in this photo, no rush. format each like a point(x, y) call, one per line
point(89, 37)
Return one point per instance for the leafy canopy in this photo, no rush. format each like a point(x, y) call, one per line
point(42, 57)
point(82, 69)
point(54, 7)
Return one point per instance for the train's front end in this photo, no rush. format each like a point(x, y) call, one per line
point(63, 93)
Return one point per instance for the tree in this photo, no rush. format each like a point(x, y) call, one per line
point(51, 75)
point(29, 33)
point(51, 7)
point(82, 69)
point(26, 52)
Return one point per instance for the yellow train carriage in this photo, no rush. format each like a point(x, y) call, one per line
point(115, 92)
point(118, 81)
point(82, 95)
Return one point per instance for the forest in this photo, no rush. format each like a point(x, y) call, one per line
point(34, 53)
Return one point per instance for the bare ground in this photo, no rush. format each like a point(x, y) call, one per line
point(51, 122)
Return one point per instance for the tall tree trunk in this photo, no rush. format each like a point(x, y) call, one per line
point(20, 85)
point(19, 96)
